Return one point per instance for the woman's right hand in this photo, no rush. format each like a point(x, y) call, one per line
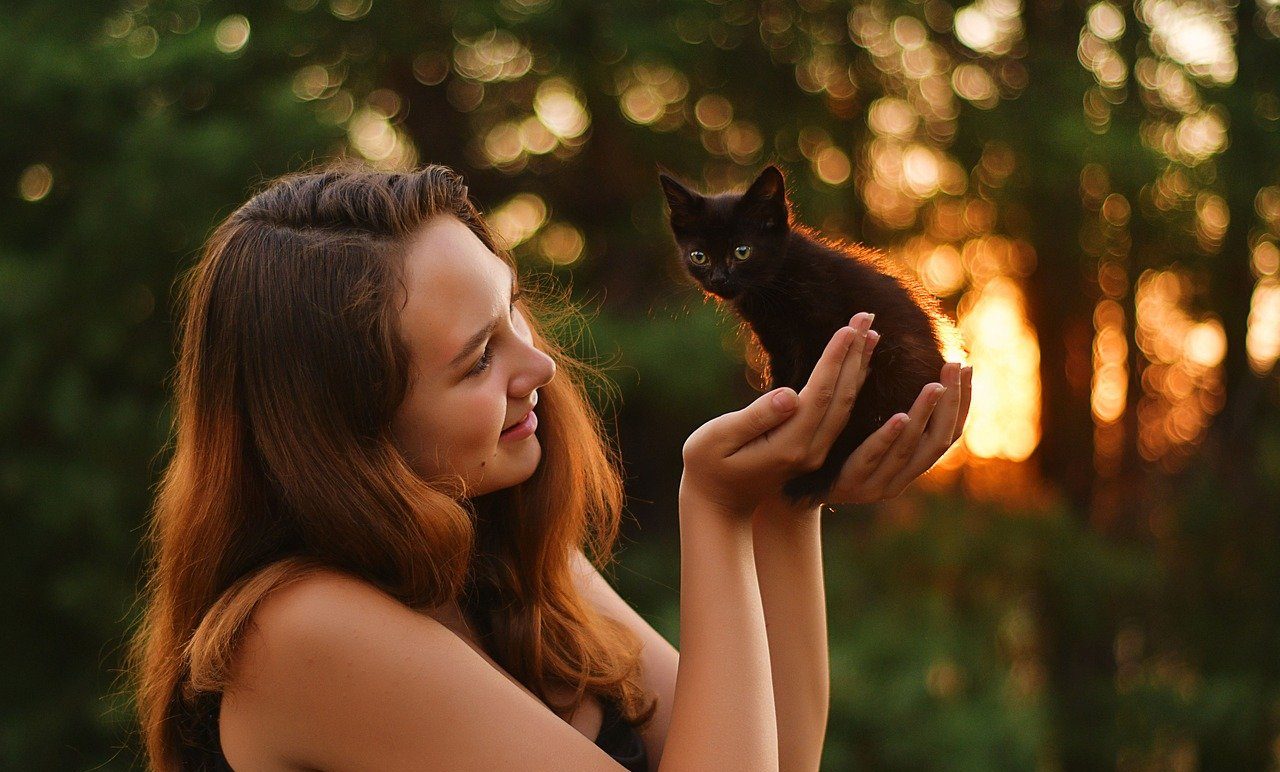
point(734, 461)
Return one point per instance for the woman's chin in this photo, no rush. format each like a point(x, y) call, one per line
point(515, 465)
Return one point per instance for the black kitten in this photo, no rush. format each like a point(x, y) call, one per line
point(795, 290)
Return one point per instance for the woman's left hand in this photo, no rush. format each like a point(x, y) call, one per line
point(908, 444)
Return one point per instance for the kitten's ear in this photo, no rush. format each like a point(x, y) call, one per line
point(769, 194)
point(685, 204)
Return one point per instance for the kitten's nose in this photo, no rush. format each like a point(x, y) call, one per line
point(722, 287)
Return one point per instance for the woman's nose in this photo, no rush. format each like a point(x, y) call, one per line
point(538, 371)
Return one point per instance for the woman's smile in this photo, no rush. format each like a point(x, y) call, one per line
point(521, 430)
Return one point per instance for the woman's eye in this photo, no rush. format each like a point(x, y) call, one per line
point(486, 358)
point(742, 252)
point(698, 258)
point(484, 361)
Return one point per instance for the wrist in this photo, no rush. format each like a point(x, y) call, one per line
point(693, 497)
point(777, 511)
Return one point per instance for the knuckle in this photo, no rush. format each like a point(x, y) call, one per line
point(812, 462)
point(824, 397)
point(689, 451)
point(693, 446)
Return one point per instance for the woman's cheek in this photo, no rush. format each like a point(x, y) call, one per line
point(487, 414)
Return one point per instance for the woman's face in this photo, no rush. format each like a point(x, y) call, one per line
point(476, 371)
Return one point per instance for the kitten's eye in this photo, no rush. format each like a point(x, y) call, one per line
point(742, 252)
point(698, 258)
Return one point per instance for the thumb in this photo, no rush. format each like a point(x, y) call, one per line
point(768, 411)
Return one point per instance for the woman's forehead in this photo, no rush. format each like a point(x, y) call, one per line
point(445, 250)
point(455, 286)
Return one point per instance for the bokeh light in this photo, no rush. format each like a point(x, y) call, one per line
point(1182, 382)
point(1109, 390)
point(495, 56)
point(518, 219)
point(561, 244)
point(713, 111)
point(350, 10)
point(385, 146)
point(1106, 21)
point(990, 26)
point(831, 165)
point(1262, 342)
point(1004, 417)
point(1194, 34)
point(35, 182)
point(650, 94)
point(559, 107)
point(231, 34)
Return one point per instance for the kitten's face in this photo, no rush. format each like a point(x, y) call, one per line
point(731, 242)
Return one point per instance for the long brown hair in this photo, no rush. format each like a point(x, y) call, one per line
point(289, 370)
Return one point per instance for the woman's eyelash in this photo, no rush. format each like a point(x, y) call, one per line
point(486, 358)
point(483, 363)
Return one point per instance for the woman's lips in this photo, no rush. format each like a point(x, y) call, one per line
point(522, 429)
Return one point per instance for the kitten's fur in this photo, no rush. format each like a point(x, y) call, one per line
point(795, 290)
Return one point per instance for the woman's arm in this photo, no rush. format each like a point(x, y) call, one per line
point(724, 705)
point(788, 556)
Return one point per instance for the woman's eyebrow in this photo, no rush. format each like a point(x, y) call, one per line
point(475, 340)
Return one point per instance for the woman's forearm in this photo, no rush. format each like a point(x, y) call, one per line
point(788, 557)
point(723, 712)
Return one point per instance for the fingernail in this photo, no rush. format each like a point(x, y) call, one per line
point(900, 422)
point(872, 337)
point(870, 318)
point(784, 400)
point(937, 395)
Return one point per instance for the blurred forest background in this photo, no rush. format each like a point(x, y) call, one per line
point(1089, 580)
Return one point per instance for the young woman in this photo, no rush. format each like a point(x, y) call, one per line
point(377, 545)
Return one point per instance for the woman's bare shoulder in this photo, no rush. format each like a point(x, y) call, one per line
point(254, 705)
point(334, 672)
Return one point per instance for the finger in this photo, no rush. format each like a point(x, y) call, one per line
point(851, 484)
point(867, 456)
point(848, 382)
point(742, 427)
point(819, 391)
point(873, 338)
point(942, 424)
point(966, 390)
point(904, 447)
point(933, 443)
